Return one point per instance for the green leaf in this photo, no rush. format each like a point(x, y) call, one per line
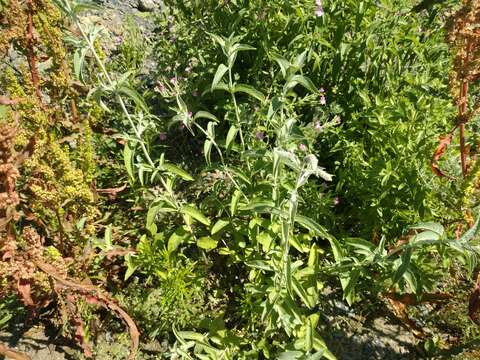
point(425, 235)
point(472, 232)
point(283, 63)
point(309, 335)
point(405, 263)
point(131, 267)
point(196, 214)
point(154, 210)
point(128, 159)
point(234, 202)
point(219, 225)
point(78, 62)
point(222, 69)
point(179, 236)
point(207, 149)
point(302, 294)
point(300, 59)
point(360, 243)
point(302, 80)
point(249, 90)
point(242, 47)
point(134, 95)
point(259, 264)
point(311, 225)
point(205, 115)
point(177, 171)
point(207, 243)
point(349, 286)
point(232, 133)
point(435, 227)
point(108, 236)
point(239, 174)
point(263, 207)
point(218, 39)
point(290, 355)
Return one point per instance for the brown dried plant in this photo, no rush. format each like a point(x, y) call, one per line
point(55, 192)
point(463, 36)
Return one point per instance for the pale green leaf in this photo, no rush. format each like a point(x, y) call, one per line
point(249, 90)
point(207, 243)
point(196, 214)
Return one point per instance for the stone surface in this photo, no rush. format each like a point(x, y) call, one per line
point(148, 5)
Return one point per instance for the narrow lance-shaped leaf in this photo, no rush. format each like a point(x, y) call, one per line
point(196, 214)
point(232, 133)
point(404, 265)
point(177, 171)
point(222, 69)
point(249, 90)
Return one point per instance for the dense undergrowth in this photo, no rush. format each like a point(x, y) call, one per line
point(278, 149)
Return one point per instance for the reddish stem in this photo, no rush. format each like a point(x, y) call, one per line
point(32, 61)
point(462, 110)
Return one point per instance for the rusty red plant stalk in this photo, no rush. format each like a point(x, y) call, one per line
point(32, 61)
point(462, 110)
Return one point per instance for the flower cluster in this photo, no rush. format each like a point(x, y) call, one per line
point(323, 99)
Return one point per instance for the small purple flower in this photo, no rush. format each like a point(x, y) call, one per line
point(336, 201)
point(322, 90)
point(259, 135)
point(337, 120)
point(162, 136)
point(302, 147)
point(317, 126)
point(173, 80)
point(323, 100)
point(190, 114)
point(194, 93)
point(160, 88)
point(319, 8)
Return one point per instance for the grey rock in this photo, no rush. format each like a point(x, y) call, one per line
point(148, 5)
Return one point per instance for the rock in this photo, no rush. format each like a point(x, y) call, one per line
point(148, 5)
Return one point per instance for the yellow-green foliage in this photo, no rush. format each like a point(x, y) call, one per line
point(59, 173)
point(58, 186)
point(471, 191)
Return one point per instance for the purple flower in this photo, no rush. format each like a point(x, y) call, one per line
point(162, 136)
point(302, 147)
point(319, 8)
point(323, 100)
point(322, 90)
point(160, 88)
point(317, 126)
point(173, 80)
point(259, 135)
point(190, 114)
point(194, 93)
point(336, 201)
point(337, 120)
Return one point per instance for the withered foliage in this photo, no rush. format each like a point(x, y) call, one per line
point(9, 173)
point(46, 186)
point(463, 36)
